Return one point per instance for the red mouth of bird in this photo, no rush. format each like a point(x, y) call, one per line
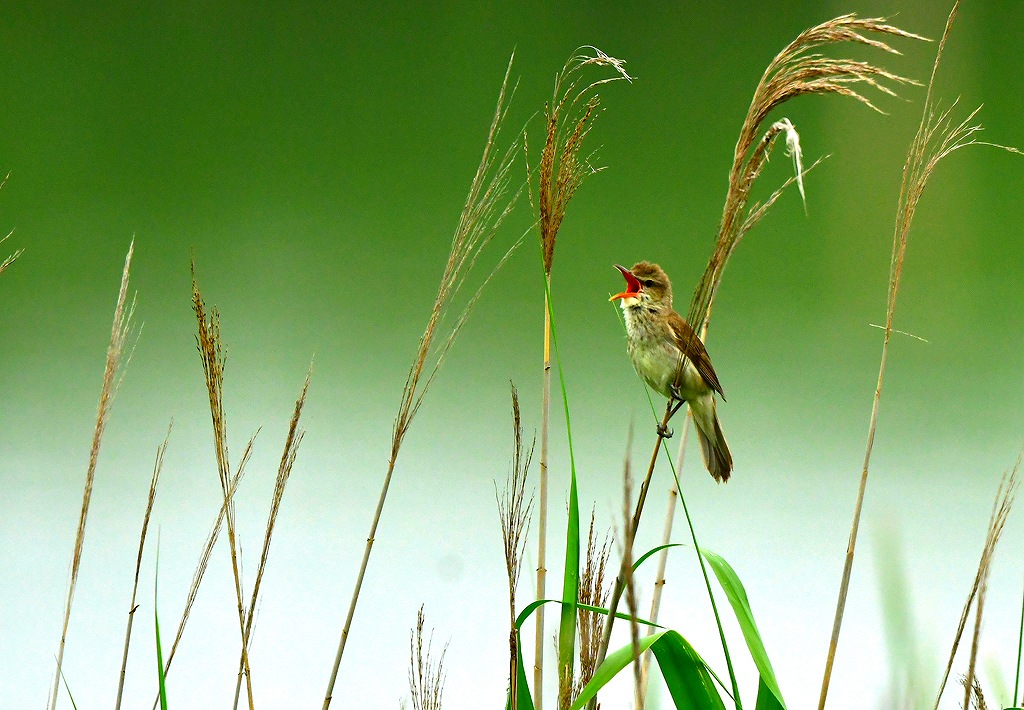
point(633, 285)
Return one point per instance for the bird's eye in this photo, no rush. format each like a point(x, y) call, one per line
point(648, 282)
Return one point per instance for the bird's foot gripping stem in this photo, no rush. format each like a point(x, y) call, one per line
point(664, 432)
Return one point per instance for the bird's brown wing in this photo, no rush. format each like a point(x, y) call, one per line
point(693, 349)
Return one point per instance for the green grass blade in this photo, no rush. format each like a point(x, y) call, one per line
point(571, 576)
point(613, 663)
point(766, 699)
point(527, 612)
point(156, 623)
point(654, 551)
point(524, 701)
point(68, 688)
point(686, 674)
point(737, 595)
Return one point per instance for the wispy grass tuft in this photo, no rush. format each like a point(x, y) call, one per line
point(997, 520)
point(593, 592)
point(570, 116)
point(426, 672)
point(12, 257)
point(515, 511)
point(113, 374)
point(133, 607)
point(488, 204)
point(936, 138)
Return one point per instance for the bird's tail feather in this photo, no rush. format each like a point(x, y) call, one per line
point(716, 454)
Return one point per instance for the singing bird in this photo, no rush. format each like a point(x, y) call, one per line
point(658, 340)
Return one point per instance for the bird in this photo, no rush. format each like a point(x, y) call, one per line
point(658, 340)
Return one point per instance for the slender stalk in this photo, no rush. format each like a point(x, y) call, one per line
point(666, 538)
point(625, 566)
point(157, 467)
point(1017, 700)
point(112, 375)
point(542, 524)
point(204, 558)
point(284, 470)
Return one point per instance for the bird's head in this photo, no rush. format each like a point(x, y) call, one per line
point(646, 284)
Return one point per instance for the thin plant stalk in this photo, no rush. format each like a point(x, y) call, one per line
point(542, 527)
point(666, 538)
point(204, 558)
point(284, 470)
point(10, 259)
point(632, 602)
point(569, 118)
point(487, 206)
point(133, 607)
point(935, 139)
point(213, 360)
point(112, 376)
point(1017, 700)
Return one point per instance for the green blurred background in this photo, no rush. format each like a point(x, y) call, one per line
point(314, 158)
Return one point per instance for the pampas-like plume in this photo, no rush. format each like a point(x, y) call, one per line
point(515, 511)
point(936, 138)
point(212, 356)
point(487, 206)
point(569, 118)
point(794, 71)
point(426, 673)
point(113, 374)
point(151, 499)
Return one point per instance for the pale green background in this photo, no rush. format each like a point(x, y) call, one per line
point(314, 158)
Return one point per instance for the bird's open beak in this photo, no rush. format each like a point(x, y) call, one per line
point(632, 284)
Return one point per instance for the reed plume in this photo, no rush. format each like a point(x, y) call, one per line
point(113, 374)
point(212, 356)
point(515, 511)
point(488, 204)
point(569, 118)
point(426, 672)
point(937, 137)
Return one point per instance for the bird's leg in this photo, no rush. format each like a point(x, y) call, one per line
point(675, 403)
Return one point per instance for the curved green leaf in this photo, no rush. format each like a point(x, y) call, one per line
point(686, 674)
point(527, 612)
point(655, 551)
point(734, 590)
point(613, 663)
